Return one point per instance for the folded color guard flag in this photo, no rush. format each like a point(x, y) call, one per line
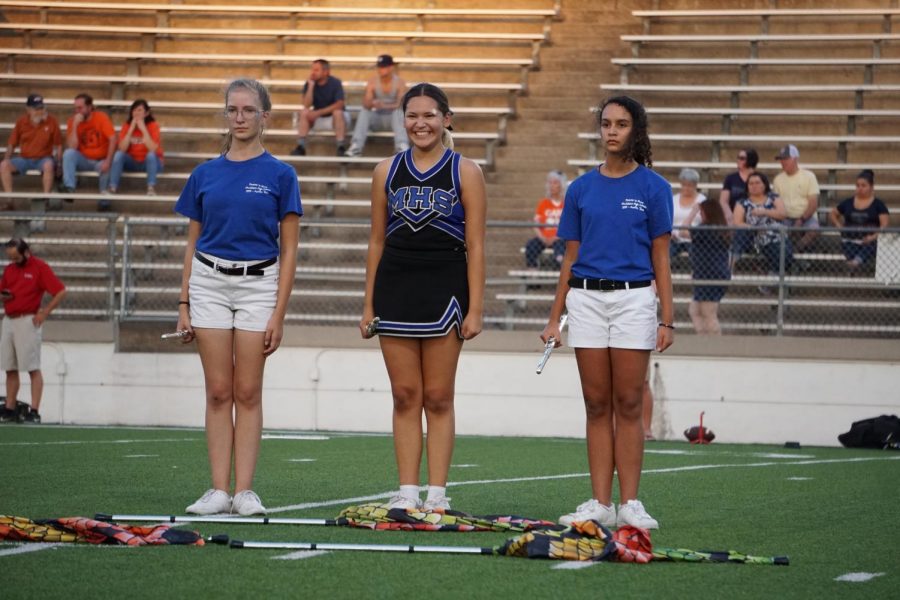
point(81, 529)
point(377, 516)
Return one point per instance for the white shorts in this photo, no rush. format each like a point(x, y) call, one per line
point(615, 319)
point(220, 301)
point(20, 344)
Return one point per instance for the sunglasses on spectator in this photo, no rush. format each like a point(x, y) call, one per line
point(742, 157)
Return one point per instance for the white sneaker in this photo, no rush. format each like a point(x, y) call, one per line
point(247, 503)
point(633, 513)
point(403, 502)
point(592, 509)
point(441, 502)
point(211, 503)
point(353, 150)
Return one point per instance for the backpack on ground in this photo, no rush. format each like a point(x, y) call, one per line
point(881, 432)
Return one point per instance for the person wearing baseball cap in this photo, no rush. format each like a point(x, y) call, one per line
point(38, 137)
point(799, 190)
point(381, 107)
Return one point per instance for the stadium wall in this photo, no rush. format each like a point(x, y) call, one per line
point(752, 390)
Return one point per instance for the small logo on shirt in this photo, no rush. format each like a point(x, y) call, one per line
point(634, 204)
point(257, 188)
point(28, 276)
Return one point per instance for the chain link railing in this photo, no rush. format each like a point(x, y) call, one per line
point(129, 268)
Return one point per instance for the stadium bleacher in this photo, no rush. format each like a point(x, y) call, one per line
point(504, 68)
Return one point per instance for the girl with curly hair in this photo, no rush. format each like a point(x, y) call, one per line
point(617, 221)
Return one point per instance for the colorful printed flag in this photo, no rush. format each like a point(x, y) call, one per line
point(377, 516)
point(81, 529)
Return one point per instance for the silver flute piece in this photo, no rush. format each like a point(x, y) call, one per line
point(372, 326)
point(176, 334)
point(550, 345)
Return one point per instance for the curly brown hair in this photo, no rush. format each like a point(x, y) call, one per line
point(638, 145)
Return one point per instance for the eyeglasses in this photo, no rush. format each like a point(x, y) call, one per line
point(742, 157)
point(248, 112)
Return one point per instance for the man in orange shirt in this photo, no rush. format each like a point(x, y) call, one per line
point(39, 139)
point(90, 142)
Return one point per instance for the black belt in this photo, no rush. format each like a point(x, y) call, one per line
point(254, 269)
point(606, 285)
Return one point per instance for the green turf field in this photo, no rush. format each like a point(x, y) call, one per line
point(832, 511)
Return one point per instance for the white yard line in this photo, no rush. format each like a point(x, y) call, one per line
point(858, 577)
point(294, 436)
point(575, 564)
point(388, 494)
point(76, 442)
point(300, 555)
point(777, 455)
point(28, 547)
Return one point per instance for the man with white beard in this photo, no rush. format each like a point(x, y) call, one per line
point(39, 140)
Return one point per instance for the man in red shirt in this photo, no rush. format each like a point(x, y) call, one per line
point(25, 280)
point(90, 145)
point(37, 135)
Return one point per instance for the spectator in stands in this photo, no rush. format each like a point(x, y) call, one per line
point(90, 142)
point(547, 212)
point(710, 255)
point(734, 188)
point(425, 282)
point(862, 210)
point(323, 99)
point(684, 214)
point(381, 108)
point(616, 222)
point(37, 135)
point(25, 280)
point(799, 190)
point(239, 267)
point(761, 208)
point(139, 148)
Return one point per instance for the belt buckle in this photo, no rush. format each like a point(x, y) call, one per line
point(606, 285)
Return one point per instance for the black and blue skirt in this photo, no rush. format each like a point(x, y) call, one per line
point(421, 293)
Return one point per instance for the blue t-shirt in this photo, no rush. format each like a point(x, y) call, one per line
point(240, 204)
point(615, 220)
point(328, 94)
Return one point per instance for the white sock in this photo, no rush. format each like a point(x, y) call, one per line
point(436, 491)
point(410, 491)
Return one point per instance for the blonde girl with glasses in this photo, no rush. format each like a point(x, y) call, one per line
point(244, 210)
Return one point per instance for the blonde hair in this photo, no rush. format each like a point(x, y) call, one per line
point(447, 139)
point(262, 94)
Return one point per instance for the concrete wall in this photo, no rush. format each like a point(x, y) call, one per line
point(753, 392)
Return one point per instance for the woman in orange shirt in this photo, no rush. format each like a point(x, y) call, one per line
point(547, 212)
point(140, 147)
